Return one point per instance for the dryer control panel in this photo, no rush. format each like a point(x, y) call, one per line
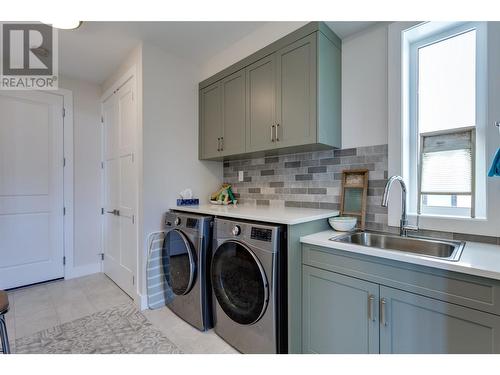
point(261, 234)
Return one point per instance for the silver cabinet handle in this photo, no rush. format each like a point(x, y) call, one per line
point(272, 133)
point(218, 144)
point(371, 301)
point(383, 304)
point(114, 212)
point(222, 143)
point(277, 137)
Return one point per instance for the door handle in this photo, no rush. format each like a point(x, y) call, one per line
point(114, 212)
point(272, 133)
point(383, 304)
point(277, 137)
point(218, 144)
point(371, 301)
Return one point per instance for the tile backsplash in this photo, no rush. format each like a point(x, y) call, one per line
point(313, 180)
point(310, 179)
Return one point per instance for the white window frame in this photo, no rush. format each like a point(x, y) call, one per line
point(487, 219)
point(414, 43)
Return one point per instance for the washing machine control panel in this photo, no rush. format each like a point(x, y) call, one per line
point(261, 234)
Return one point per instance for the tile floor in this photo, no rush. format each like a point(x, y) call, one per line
point(39, 307)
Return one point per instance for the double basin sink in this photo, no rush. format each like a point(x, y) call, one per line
point(442, 249)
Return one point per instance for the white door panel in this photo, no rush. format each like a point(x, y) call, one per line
point(120, 185)
point(31, 188)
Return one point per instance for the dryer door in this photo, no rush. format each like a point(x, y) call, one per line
point(239, 282)
point(180, 268)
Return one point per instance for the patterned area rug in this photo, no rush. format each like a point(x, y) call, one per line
point(122, 329)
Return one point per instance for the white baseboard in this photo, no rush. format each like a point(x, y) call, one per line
point(88, 269)
point(141, 301)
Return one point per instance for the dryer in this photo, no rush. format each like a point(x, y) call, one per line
point(186, 251)
point(248, 275)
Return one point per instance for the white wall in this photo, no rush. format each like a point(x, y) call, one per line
point(254, 41)
point(364, 88)
point(171, 136)
point(87, 183)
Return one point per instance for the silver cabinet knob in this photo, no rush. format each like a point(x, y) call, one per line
point(236, 230)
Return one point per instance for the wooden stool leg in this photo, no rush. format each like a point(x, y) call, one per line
point(4, 336)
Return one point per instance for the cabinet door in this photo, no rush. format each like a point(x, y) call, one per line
point(261, 98)
point(340, 313)
point(210, 120)
point(415, 324)
point(296, 93)
point(233, 114)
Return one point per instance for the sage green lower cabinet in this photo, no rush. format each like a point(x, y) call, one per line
point(353, 303)
point(421, 325)
point(340, 313)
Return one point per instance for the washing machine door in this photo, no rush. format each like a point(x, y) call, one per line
point(239, 282)
point(180, 268)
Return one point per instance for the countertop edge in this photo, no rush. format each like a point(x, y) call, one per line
point(256, 217)
point(462, 266)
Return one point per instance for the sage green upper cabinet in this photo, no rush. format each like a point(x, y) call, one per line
point(210, 121)
point(261, 94)
point(233, 114)
point(292, 97)
point(222, 117)
point(296, 93)
point(413, 324)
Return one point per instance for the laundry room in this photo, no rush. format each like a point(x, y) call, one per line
point(213, 180)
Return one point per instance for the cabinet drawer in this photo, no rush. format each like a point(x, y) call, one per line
point(466, 290)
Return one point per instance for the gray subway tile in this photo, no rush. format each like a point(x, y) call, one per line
point(316, 191)
point(321, 169)
point(475, 238)
point(292, 164)
point(254, 190)
point(303, 177)
point(330, 161)
point(272, 159)
point(345, 152)
point(267, 172)
point(262, 202)
point(277, 184)
point(329, 206)
point(310, 204)
point(292, 204)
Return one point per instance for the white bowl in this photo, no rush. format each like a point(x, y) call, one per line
point(343, 223)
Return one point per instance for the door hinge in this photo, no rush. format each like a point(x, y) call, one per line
point(102, 210)
point(102, 119)
point(133, 219)
point(101, 255)
point(64, 261)
point(102, 165)
point(64, 162)
point(133, 280)
point(64, 211)
point(64, 112)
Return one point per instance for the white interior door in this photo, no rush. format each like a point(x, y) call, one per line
point(31, 188)
point(120, 181)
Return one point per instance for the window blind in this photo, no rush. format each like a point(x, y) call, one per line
point(447, 163)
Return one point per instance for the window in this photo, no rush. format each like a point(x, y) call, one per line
point(443, 114)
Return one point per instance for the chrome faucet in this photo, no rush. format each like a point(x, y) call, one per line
point(403, 223)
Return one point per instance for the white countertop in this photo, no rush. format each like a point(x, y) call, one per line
point(270, 214)
point(477, 259)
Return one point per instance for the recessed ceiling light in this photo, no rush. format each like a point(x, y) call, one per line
point(65, 24)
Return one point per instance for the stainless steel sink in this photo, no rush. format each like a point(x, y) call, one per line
point(442, 249)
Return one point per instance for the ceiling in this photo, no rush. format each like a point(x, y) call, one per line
point(94, 50)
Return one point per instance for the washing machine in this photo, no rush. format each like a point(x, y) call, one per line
point(186, 251)
point(248, 275)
